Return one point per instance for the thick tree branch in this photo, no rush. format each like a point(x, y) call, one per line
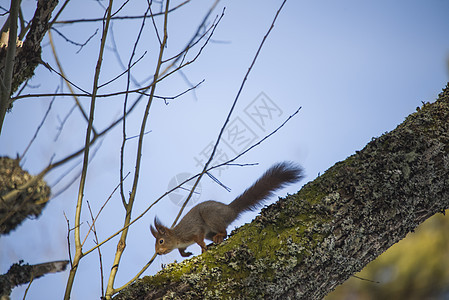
point(306, 244)
point(20, 273)
point(29, 55)
point(26, 202)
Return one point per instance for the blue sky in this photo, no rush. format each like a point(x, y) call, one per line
point(357, 69)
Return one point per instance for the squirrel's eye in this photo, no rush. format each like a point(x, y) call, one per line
point(161, 241)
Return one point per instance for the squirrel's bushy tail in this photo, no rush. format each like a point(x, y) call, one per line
point(276, 177)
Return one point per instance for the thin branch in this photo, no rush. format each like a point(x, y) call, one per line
point(165, 98)
point(64, 120)
point(22, 20)
point(229, 116)
point(125, 104)
point(119, 17)
point(99, 251)
point(192, 41)
point(94, 220)
point(164, 74)
point(228, 163)
point(186, 79)
point(136, 136)
point(144, 268)
point(73, 180)
point(122, 242)
point(69, 85)
point(28, 287)
point(124, 72)
point(81, 45)
point(154, 24)
point(119, 59)
point(364, 279)
point(120, 8)
point(78, 245)
point(47, 65)
point(68, 239)
point(38, 129)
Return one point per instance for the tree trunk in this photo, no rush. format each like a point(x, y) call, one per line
point(306, 244)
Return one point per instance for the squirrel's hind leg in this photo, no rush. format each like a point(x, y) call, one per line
point(219, 237)
point(200, 241)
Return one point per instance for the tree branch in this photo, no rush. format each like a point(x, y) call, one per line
point(29, 55)
point(20, 273)
point(306, 244)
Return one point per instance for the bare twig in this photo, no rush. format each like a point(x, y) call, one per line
point(120, 8)
point(136, 136)
point(119, 17)
point(144, 268)
point(164, 74)
point(228, 163)
point(73, 180)
point(99, 251)
point(78, 245)
point(114, 49)
point(154, 24)
point(68, 239)
point(81, 45)
point(122, 242)
point(165, 98)
point(28, 287)
point(94, 220)
point(229, 116)
point(47, 65)
point(69, 85)
point(125, 104)
point(63, 121)
point(38, 129)
point(364, 279)
point(124, 72)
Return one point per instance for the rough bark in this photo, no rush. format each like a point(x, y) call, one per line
point(28, 56)
point(26, 203)
point(20, 273)
point(306, 244)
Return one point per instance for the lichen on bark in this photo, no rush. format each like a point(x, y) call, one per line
point(27, 203)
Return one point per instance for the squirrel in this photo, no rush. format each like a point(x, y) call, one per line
point(210, 219)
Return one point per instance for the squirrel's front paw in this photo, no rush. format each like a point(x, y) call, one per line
point(184, 253)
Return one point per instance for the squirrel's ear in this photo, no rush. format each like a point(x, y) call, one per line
point(161, 229)
point(153, 231)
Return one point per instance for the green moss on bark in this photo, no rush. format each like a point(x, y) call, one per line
point(304, 245)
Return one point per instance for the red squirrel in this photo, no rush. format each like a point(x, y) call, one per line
point(210, 219)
